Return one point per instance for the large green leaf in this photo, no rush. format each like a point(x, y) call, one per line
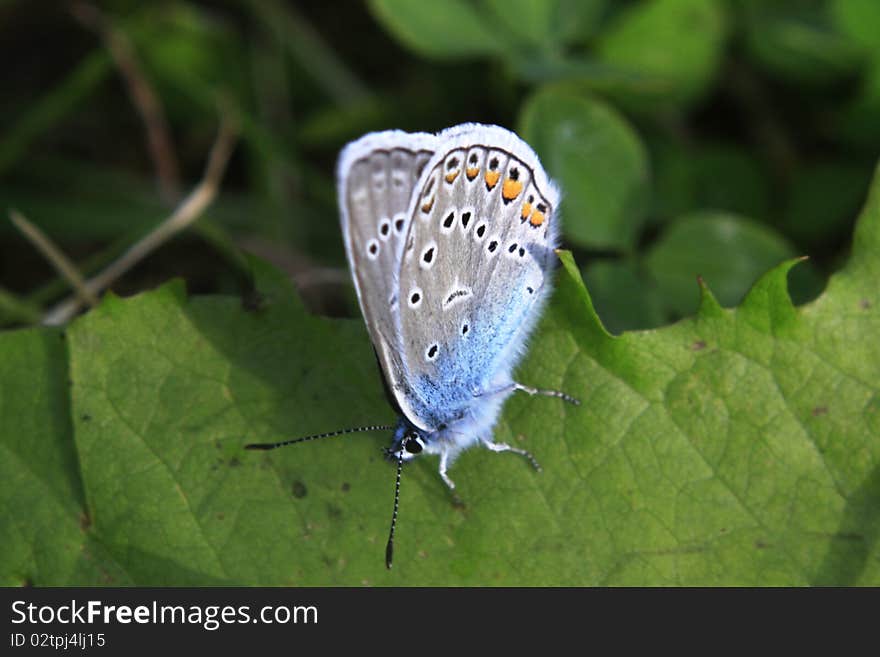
point(46, 529)
point(738, 447)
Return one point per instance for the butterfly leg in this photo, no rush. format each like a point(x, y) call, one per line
point(504, 447)
point(444, 464)
point(532, 391)
point(547, 393)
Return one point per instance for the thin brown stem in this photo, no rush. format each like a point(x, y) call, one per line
point(190, 209)
point(142, 95)
point(62, 264)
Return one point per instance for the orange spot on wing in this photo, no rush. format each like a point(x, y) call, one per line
point(471, 172)
point(426, 207)
point(537, 218)
point(511, 189)
point(450, 177)
point(526, 210)
point(492, 178)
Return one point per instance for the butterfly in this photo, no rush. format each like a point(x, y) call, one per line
point(451, 239)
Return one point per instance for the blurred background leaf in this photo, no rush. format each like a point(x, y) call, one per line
point(645, 112)
point(729, 251)
point(454, 28)
point(599, 162)
point(677, 41)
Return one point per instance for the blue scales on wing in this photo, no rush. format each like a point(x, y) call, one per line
point(475, 270)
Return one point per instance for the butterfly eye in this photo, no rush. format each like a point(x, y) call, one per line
point(412, 443)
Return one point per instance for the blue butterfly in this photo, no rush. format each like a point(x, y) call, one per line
point(450, 239)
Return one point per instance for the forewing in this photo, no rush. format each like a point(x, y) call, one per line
point(376, 176)
point(476, 268)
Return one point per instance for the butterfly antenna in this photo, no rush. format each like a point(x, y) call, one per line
point(339, 432)
point(389, 549)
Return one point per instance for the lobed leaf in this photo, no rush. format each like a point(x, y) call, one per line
point(736, 447)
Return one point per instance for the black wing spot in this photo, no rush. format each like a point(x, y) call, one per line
point(493, 163)
point(512, 247)
point(542, 208)
point(530, 290)
point(465, 219)
point(428, 256)
point(473, 158)
point(432, 351)
point(447, 223)
point(452, 164)
point(455, 295)
point(493, 245)
point(398, 225)
point(514, 174)
point(464, 329)
point(522, 252)
point(481, 230)
point(373, 248)
point(384, 228)
point(414, 299)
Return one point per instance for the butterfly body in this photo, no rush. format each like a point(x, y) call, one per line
point(450, 239)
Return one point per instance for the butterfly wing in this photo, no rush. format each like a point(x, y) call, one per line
point(376, 176)
point(475, 270)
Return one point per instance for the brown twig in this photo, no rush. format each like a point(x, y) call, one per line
point(55, 256)
point(142, 97)
point(190, 209)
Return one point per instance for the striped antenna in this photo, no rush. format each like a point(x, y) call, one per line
point(389, 548)
point(283, 443)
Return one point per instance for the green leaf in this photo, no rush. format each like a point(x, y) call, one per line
point(578, 20)
point(599, 161)
point(45, 523)
point(739, 447)
point(441, 30)
point(859, 122)
point(798, 42)
point(857, 19)
point(678, 41)
point(729, 252)
point(545, 25)
point(530, 21)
